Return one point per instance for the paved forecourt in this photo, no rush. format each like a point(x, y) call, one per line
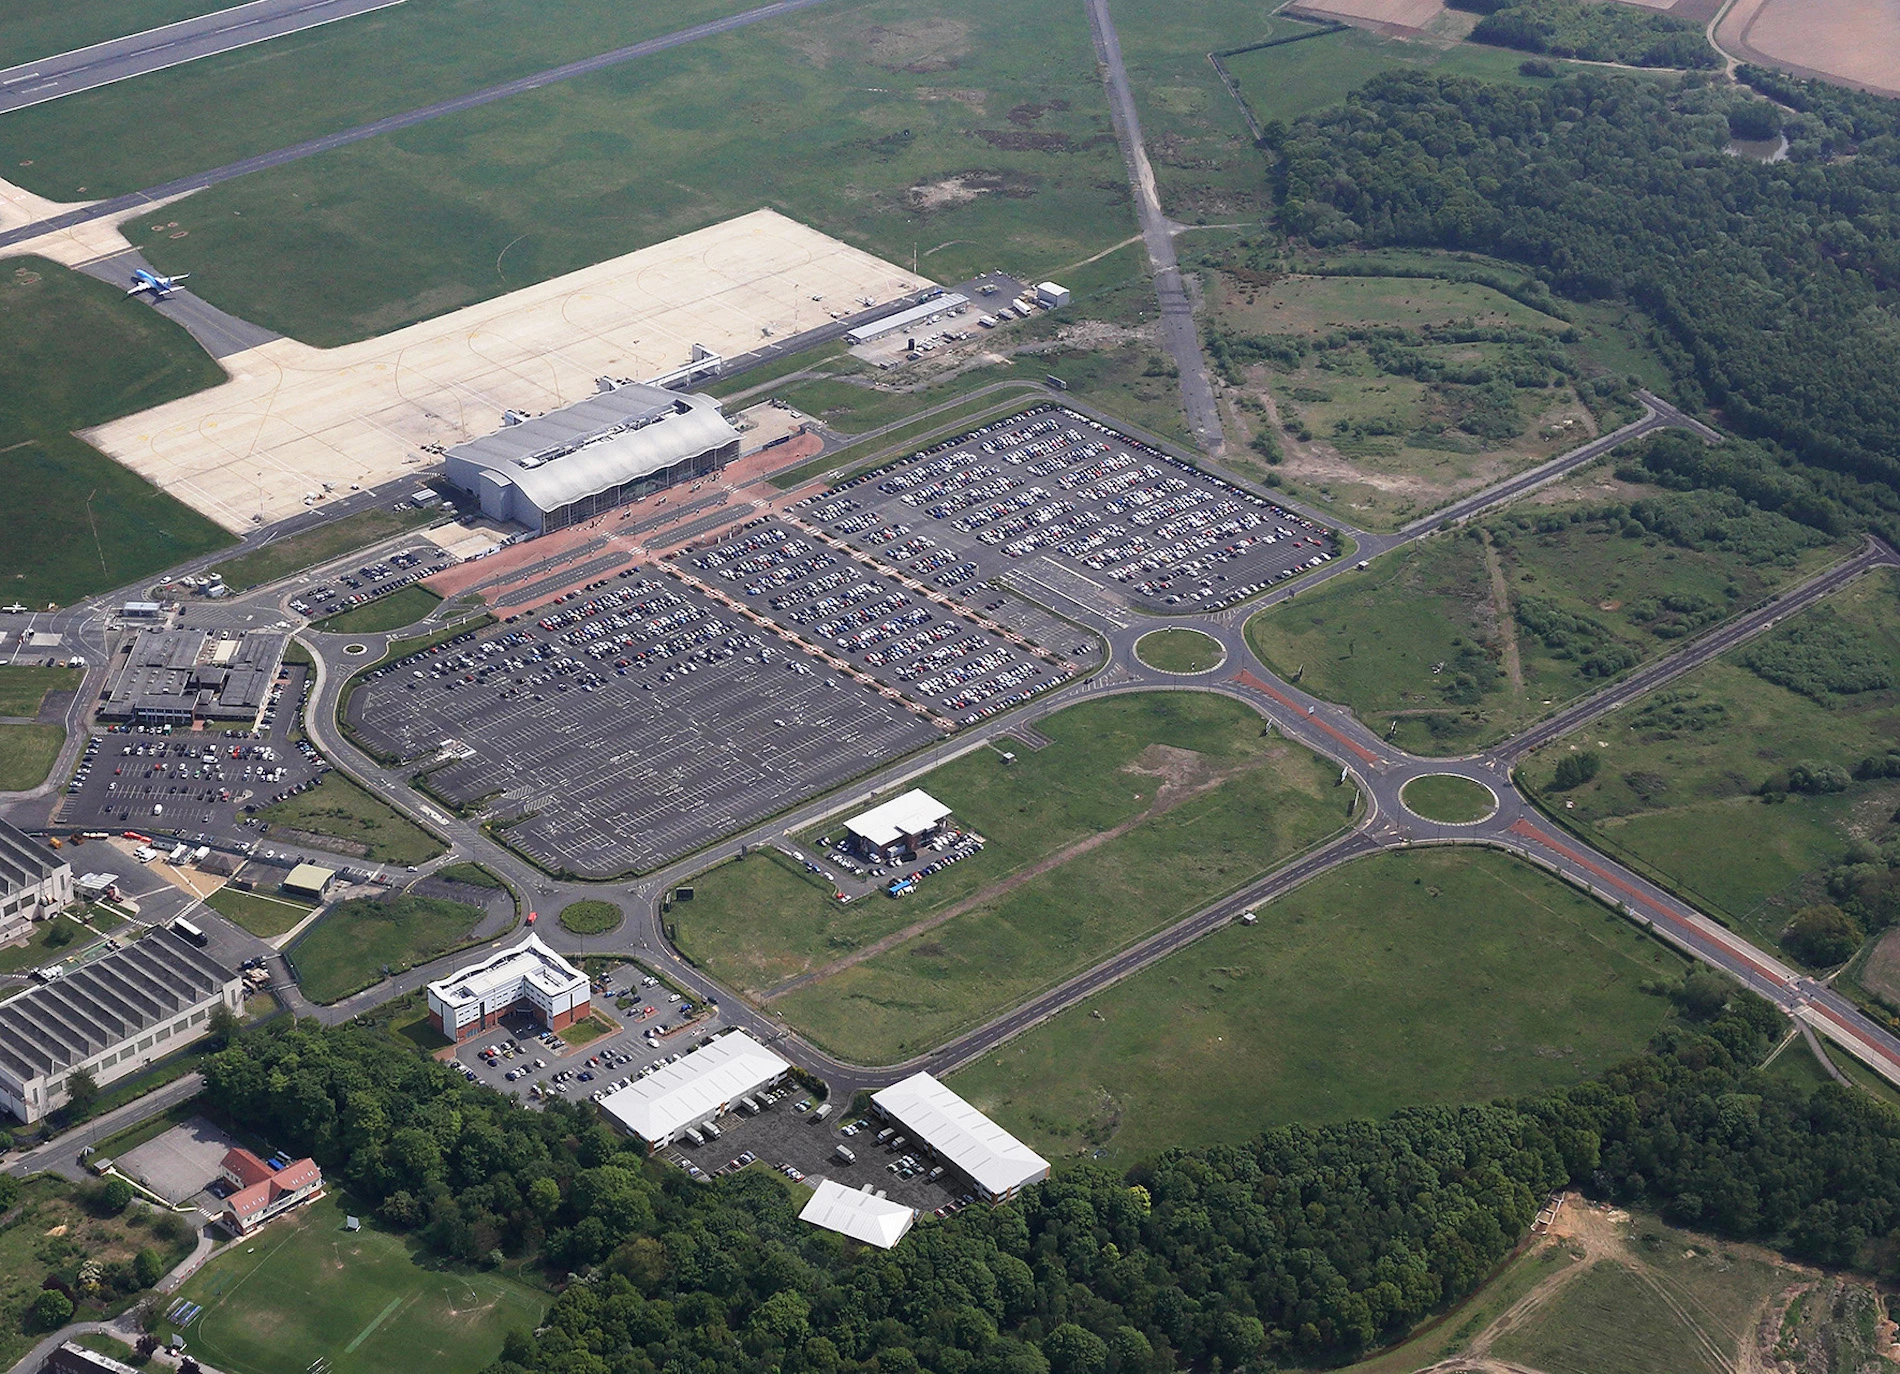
point(293, 417)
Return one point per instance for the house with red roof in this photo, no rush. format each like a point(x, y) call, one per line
point(260, 1192)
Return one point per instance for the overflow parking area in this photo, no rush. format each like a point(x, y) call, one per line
point(620, 731)
point(1071, 508)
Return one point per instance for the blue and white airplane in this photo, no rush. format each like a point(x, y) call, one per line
point(160, 287)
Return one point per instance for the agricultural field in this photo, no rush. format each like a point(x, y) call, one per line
point(319, 544)
point(888, 125)
point(53, 1229)
point(1677, 783)
point(340, 809)
point(265, 916)
point(351, 946)
point(27, 753)
point(23, 686)
point(1385, 398)
point(71, 356)
point(1465, 637)
point(759, 922)
point(385, 613)
point(362, 1301)
point(1488, 977)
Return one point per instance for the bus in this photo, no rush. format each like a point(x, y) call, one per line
point(190, 932)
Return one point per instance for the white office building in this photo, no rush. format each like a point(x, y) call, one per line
point(859, 1213)
point(526, 977)
point(703, 1085)
point(990, 1157)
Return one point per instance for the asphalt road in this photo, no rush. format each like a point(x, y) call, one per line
point(119, 59)
point(1178, 330)
point(118, 207)
point(220, 334)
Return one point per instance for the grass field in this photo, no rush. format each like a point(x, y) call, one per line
point(263, 915)
point(348, 949)
point(590, 918)
point(888, 124)
point(73, 355)
point(27, 753)
point(760, 921)
point(1446, 797)
point(49, 941)
point(1675, 790)
point(319, 544)
point(1296, 79)
point(23, 686)
point(339, 808)
point(1663, 1308)
point(1380, 446)
point(1445, 975)
point(1227, 826)
point(386, 613)
point(472, 874)
point(305, 1289)
point(1179, 651)
point(52, 1233)
point(1443, 636)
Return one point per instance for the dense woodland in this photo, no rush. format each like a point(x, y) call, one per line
point(1594, 32)
point(1306, 1242)
point(1772, 285)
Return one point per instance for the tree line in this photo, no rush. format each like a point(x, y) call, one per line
point(1305, 1242)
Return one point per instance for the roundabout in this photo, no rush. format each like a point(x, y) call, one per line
point(1181, 651)
point(1449, 799)
point(356, 649)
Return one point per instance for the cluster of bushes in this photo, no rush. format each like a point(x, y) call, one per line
point(1574, 770)
point(1596, 651)
point(1822, 657)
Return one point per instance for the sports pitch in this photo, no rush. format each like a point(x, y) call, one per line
point(304, 1290)
point(293, 417)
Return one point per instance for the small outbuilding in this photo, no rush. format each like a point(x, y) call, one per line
point(859, 1213)
point(309, 880)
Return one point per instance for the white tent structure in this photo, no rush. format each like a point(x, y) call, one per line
point(859, 1213)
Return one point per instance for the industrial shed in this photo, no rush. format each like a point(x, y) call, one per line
point(657, 1109)
point(859, 1213)
point(990, 1157)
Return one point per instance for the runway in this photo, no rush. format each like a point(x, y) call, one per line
point(118, 207)
point(120, 59)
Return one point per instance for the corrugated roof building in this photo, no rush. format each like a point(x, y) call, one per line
point(703, 1085)
point(990, 1157)
point(35, 883)
point(555, 470)
point(112, 1016)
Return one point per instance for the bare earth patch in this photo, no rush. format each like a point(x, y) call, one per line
point(1855, 42)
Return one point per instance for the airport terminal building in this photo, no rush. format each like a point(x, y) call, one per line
point(551, 471)
point(175, 677)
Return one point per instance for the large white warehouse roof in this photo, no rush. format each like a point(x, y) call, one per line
point(858, 1213)
point(992, 1157)
point(664, 1103)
